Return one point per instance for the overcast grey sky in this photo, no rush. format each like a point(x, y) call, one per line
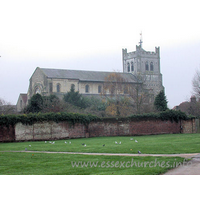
point(90, 35)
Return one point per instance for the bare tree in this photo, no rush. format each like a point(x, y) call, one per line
point(113, 91)
point(139, 95)
point(196, 84)
point(126, 97)
point(6, 107)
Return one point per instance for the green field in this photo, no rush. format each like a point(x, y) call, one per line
point(64, 164)
point(48, 163)
point(153, 144)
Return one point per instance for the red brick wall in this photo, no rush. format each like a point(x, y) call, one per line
point(7, 133)
point(150, 127)
point(76, 131)
point(105, 127)
point(143, 127)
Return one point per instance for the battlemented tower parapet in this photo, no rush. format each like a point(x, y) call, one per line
point(146, 64)
point(141, 61)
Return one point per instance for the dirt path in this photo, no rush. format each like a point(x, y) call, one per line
point(190, 168)
point(188, 155)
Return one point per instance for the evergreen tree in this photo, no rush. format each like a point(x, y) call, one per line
point(160, 102)
point(35, 104)
point(75, 98)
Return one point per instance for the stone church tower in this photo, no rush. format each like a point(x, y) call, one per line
point(145, 64)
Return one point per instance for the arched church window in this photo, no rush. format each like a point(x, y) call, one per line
point(151, 66)
point(87, 89)
point(146, 66)
point(132, 66)
point(128, 67)
point(50, 87)
point(99, 89)
point(58, 87)
point(37, 90)
point(125, 89)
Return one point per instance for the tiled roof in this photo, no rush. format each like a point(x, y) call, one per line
point(24, 97)
point(84, 75)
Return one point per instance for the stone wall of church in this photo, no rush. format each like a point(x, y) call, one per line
point(64, 84)
point(93, 87)
point(154, 82)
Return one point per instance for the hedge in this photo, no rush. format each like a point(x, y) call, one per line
point(7, 120)
point(171, 115)
point(30, 118)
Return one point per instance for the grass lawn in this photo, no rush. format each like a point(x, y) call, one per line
point(64, 164)
point(43, 163)
point(152, 144)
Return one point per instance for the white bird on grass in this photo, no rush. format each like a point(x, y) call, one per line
point(29, 145)
point(45, 141)
point(50, 142)
point(69, 142)
point(53, 142)
point(120, 142)
point(131, 139)
point(85, 145)
point(136, 141)
point(116, 142)
point(65, 142)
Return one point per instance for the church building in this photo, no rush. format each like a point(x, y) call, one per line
point(141, 63)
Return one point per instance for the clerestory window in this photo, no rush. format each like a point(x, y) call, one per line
point(87, 89)
point(99, 89)
point(58, 87)
point(72, 86)
point(146, 66)
point(50, 87)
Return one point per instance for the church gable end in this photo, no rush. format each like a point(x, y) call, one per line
point(37, 83)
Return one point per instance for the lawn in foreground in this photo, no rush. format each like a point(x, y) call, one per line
point(13, 163)
point(152, 144)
